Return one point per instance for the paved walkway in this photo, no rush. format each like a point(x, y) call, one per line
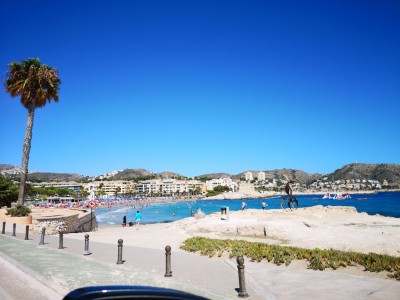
point(58, 271)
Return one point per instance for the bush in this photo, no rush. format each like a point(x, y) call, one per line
point(19, 211)
point(318, 259)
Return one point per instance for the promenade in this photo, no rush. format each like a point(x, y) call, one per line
point(46, 272)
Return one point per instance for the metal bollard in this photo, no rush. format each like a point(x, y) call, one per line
point(120, 261)
point(42, 236)
point(86, 251)
point(242, 284)
point(61, 241)
point(168, 272)
point(27, 232)
point(14, 228)
point(4, 228)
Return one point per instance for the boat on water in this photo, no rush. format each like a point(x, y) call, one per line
point(337, 196)
point(340, 196)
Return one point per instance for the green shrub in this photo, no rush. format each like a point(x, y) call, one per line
point(318, 259)
point(19, 211)
point(317, 262)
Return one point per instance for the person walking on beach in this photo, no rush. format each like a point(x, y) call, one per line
point(243, 205)
point(123, 221)
point(263, 204)
point(138, 217)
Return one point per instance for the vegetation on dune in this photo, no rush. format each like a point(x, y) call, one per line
point(318, 259)
point(19, 211)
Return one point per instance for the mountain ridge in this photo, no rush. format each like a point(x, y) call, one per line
point(380, 172)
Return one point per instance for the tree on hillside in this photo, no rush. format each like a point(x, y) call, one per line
point(35, 84)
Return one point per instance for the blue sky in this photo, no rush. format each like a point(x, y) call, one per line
point(197, 87)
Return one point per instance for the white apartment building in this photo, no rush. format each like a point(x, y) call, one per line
point(248, 176)
point(111, 188)
point(261, 176)
point(271, 184)
point(169, 186)
point(211, 184)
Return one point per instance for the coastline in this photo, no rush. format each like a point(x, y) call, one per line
point(256, 195)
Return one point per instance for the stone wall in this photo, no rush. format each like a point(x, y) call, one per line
point(79, 222)
point(18, 220)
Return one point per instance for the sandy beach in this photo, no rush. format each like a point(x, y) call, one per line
point(321, 227)
point(339, 227)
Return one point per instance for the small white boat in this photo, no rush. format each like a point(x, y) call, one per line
point(340, 196)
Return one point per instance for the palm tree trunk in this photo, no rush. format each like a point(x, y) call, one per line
point(25, 154)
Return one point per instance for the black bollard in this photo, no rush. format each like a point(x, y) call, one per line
point(14, 228)
point(4, 228)
point(60, 241)
point(120, 261)
point(86, 251)
point(42, 236)
point(27, 232)
point(242, 284)
point(168, 272)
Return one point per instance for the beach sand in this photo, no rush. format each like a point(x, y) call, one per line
point(339, 227)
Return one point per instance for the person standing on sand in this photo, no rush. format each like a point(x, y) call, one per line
point(243, 205)
point(123, 221)
point(263, 204)
point(138, 217)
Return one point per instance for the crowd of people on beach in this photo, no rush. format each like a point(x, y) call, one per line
point(109, 203)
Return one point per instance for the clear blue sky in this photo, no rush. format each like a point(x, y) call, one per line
point(196, 87)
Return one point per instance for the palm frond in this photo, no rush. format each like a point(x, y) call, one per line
point(34, 82)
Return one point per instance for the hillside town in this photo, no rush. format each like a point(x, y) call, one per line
point(251, 184)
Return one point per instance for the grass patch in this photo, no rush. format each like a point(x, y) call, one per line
point(254, 236)
point(318, 259)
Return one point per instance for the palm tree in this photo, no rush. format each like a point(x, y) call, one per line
point(36, 84)
point(117, 191)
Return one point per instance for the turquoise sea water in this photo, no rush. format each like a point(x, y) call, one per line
point(385, 204)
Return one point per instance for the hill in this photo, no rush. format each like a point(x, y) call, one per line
point(47, 176)
point(7, 167)
point(380, 172)
point(132, 174)
point(215, 175)
point(296, 175)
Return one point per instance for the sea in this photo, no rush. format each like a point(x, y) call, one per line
point(382, 203)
